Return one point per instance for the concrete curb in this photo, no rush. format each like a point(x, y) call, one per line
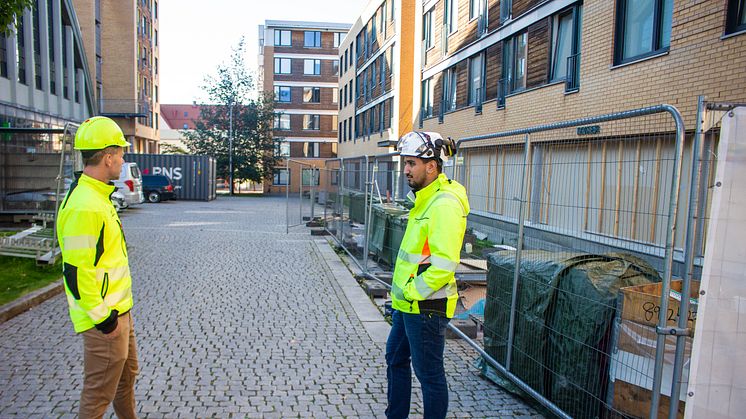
point(368, 314)
point(29, 301)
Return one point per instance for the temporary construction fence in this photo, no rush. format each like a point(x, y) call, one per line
point(602, 218)
point(301, 205)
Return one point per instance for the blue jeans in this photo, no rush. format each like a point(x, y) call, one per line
point(421, 339)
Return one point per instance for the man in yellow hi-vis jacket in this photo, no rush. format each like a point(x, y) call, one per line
point(424, 290)
point(97, 275)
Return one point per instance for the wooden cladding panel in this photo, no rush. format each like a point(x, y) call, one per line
point(538, 54)
point(437, 92)
point(462, 84)
point(493, 12)
point(493, 59)
point(522, 6)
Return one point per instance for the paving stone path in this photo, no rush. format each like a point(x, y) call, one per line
point(234, 318)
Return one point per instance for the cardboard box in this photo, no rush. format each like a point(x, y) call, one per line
point(641, 304)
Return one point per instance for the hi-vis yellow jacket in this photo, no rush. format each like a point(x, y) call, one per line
point(424, 276)
point(94, 254)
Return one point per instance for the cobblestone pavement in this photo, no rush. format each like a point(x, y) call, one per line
point(234, 318)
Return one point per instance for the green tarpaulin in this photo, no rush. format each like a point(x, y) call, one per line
point(565, 310)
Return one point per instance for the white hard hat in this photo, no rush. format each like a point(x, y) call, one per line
point(426, 145)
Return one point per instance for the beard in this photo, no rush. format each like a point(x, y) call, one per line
point(414, 185)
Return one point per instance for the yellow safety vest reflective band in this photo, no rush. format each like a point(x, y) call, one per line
point(94, 254)
point(424, 275)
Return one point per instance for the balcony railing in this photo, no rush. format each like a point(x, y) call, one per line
point(502, 91)
point(572, 81)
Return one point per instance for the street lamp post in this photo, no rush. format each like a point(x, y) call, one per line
point(230, 145)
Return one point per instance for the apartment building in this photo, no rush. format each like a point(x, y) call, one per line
point(44, 75)
point(376, 83)
point(121, 41)
point(490, 65)
point(299, 65)
point(45, 86)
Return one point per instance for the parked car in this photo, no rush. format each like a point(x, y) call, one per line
point(157, 188)
point(117, 199)
point(130, 184)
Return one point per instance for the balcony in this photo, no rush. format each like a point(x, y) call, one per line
point(124, 108)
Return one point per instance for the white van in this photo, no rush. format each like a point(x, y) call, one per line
point(130, 184)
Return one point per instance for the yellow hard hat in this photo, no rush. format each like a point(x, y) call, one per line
point(98, 133)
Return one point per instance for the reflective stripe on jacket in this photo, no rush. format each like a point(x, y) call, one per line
point(424, 276)
point(94, 254)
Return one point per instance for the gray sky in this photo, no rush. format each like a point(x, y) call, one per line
point(195, 36)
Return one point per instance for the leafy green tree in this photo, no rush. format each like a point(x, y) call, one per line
point(9, 9)
point(231, 113)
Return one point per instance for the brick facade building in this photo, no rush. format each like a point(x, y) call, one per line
point(299, 65)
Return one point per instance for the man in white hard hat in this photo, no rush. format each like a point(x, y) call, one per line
point(424, 290)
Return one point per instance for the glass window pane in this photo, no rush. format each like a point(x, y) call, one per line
point(285, 38)
point(307, 66)
point(743, 13)
point(667, 9)
point(520, 60)
point(562, 47)
point(475, 72)
point(638, 27)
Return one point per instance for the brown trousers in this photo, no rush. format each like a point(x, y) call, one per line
point(110, 367)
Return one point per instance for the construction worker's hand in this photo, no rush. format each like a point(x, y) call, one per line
point(110, 324)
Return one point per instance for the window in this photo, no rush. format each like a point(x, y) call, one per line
point(449, 90)
point(736, 18)
point(282, 122)
point(186, 126)
point(514, 62)
point(346, 60)
point(36, 31)
point(384, 6)
point(4, 58)
point(335, 120)
point(311, 149)
point(350, 91)
point(427, 98)
point(310, 122)
point(312, 67)
point(335, 95)
point(311, 95)
point(451, 15)
point(565, 62)
point(282, 149)
point(282, 93)
point(427, 30)
point(335, 67)
point(155, 37)
point(282, 38)
point(506, 10)
point(280, 177)
point(475, 8)
point(282, 65)
point(359, 48)
point(21, 51)
point(338, 38)
point(382, 111)
point(383, 71)
point(312, 39)
point(373, 31)
point(643, 28)
point(476, 79)
point(373, 79)
point(310, 177)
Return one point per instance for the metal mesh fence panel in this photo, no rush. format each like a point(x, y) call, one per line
point(301, 204)
point(565, 218)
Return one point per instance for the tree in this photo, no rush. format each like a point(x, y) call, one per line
point(172, 149)
point(233, 127)
point(9, 9)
